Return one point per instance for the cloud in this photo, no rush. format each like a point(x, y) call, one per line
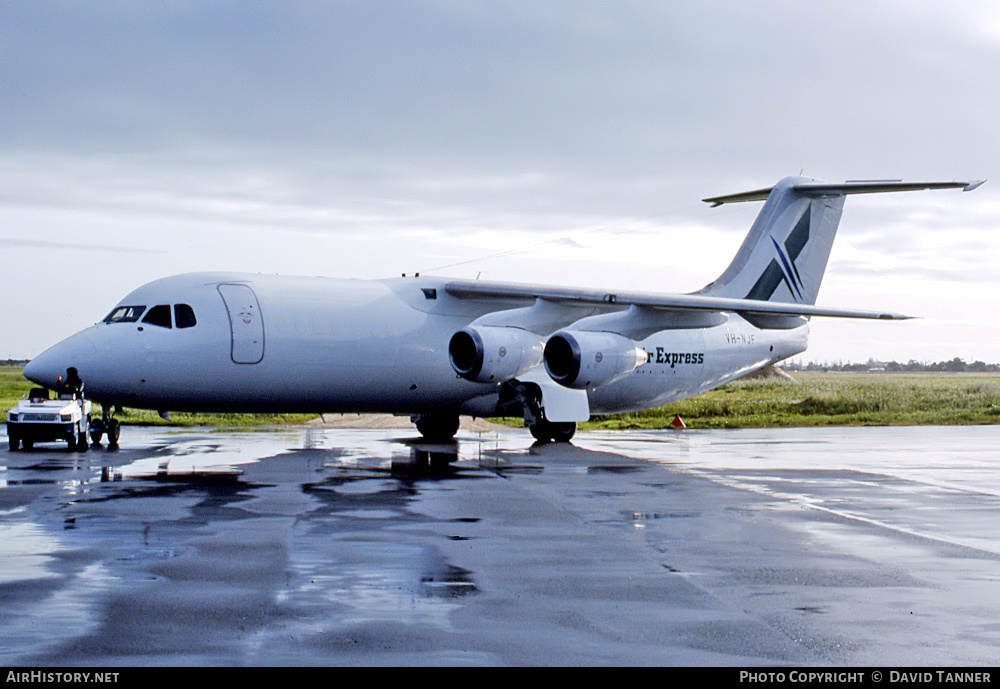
point(447, 128)
point(49, 245)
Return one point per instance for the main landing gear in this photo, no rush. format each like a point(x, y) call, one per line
point(436, 427)
point(518, 398)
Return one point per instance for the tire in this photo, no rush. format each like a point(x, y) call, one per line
point(539, 432)
point(438, 427)
point(97, 431)
point(563, 432)
point(548, 432)
point(114, 431)
point(81, 442)
point(14, 442)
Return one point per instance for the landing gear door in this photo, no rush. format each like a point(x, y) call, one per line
point(246, 323)
point(561, 404)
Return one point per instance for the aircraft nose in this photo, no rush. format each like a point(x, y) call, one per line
point(75, 350)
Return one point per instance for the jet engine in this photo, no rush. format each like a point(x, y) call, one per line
point(584, 359)
point(493, 354)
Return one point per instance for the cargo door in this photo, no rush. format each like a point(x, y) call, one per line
point(246, 323)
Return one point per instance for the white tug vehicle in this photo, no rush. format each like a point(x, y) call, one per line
point(67, 417)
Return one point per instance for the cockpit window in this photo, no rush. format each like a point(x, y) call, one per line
point(184, 316)
point(125, 314)
point(158, 315)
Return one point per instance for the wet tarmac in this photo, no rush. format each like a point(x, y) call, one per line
point(866, 546)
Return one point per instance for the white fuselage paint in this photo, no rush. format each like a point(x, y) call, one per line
point(327, 345)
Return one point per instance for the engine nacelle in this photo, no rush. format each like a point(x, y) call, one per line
point(493, 354)
point(584, 359)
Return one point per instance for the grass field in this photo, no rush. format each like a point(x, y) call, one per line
point(832, 399)
point(13, 385)
point(814, 399)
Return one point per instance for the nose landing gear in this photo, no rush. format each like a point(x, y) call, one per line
point(106, 425)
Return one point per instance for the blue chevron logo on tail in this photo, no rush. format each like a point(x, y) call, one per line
point(791, 273)
point(783, 268)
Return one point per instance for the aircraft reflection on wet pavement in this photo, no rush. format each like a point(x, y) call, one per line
point(143, 511)
point(323, 546)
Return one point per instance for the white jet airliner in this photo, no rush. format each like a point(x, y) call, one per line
point(437, 348)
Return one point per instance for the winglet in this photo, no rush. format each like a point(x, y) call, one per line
point(974, 185)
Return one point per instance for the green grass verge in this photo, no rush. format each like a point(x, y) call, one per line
point(13, 385)
point(815, 399)
point(831, 399)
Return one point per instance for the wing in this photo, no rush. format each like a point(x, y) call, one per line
point(475, 289)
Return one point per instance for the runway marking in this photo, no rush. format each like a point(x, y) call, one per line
point(813, 503)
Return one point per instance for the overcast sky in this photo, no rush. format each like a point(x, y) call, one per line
point(553, 142)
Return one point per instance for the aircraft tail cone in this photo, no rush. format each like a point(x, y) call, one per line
point(678, 422)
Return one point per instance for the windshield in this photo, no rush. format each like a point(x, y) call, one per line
point(125, 314)
point(158, 315)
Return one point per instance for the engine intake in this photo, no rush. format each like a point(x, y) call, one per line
point(585, 359)
point(493, 354)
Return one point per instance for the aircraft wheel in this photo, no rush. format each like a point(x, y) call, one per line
point(547, 432)
point(97, 431)
point(438, 426)
point(563, 432)
point(114, 431)
point(538, 432)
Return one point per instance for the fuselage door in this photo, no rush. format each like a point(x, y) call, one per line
point(246, 323)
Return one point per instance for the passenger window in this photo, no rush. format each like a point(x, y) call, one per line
point(125, 314)
point(158, 315)
point(184, 316)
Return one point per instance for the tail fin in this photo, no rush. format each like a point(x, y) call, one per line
point(784, 255)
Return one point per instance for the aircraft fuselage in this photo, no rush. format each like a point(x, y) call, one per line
point(297, 344)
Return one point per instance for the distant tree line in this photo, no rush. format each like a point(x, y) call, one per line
point(956, 365)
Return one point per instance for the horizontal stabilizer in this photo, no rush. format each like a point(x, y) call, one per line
point(819, 189)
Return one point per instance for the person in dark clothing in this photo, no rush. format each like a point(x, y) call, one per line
point(73, 383)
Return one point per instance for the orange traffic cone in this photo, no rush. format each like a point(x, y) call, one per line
point(678, 422)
